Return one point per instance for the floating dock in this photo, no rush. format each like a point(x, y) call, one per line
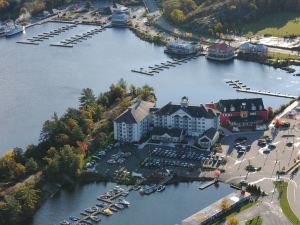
point(78, 38)
point(46, 35)
point(240, 87)
point(207, 184)
point(157, 68)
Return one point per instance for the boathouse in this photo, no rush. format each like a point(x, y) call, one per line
point(220, 52)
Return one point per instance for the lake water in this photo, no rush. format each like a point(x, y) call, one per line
point(165, 208)
point(36, 81)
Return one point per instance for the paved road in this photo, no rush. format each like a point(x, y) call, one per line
point(151, 6)
point(293, 194)
point(269, 210)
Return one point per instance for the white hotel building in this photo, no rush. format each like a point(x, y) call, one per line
point(135, 122)
point(193, 120)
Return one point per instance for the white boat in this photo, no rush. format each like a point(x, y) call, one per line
point(119, 206)
point(124, 202)
point(161, 188)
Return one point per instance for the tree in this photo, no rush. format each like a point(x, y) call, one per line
point(177, 16)
point(31, 166)
point(232, 220)
point(28, 197)
point(87, 97)
point(224, 204)
point(12, 209)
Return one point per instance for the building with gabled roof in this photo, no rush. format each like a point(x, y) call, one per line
point(134, 122)
point(220, 52)
point(241, 113)
point(193, 120)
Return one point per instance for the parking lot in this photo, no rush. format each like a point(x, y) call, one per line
point(273, 151)
point(153, 158)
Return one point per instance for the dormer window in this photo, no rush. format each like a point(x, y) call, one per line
point(232, 108)
point(260, 107)
point(253, 107)
point(243, 107)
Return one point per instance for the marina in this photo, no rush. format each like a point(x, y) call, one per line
point(47, 35)
point(78, 38)
point(240, 87)
point(157, 68)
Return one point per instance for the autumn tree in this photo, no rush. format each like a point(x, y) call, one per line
point(224, 204)
point(232, 220)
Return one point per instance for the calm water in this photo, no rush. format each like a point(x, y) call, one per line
point(165, 208)
point(36, 81)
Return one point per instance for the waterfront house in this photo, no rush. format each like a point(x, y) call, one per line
point(194, 120)
point(220, 52)
point(246, 48)
point(134, 122)
point(120, 16)
point(166, 135)
point(208, 138)
point(252, 49)
point(242, 113)
point(261, 49)
point(179, 47)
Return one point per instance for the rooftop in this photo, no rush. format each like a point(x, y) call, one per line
point(194, 111)
point(135, 113)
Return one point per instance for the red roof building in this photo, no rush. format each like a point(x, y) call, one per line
point(220, 52)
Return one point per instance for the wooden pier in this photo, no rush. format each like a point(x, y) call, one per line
point(157, 68)
point(207, 184)
point(78, 38)
point(46, 35)
point(110, 202)
point(240, 87)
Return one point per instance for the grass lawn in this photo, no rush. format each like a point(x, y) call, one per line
point(278, 24)
point(244, 207)
point(282, 56)
point(255, 221)
point(282, 187)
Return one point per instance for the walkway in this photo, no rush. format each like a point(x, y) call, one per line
point(268, 209)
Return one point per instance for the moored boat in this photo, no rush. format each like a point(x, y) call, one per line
point(107, 212)
point(161, 188)
point(65, 222)
point(74, 218)
point(15, 30)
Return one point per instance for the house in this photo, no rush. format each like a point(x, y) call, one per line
point(261, 49)
point(252, 49)
point(120, 16)
point(220, 52)
point(208, 138)
point(246, 48)
point(134, 122)
point(193, 120)
point(242, 113)
point(167, 135)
